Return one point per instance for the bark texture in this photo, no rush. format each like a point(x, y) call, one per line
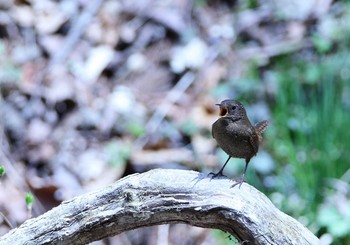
point(163, 196)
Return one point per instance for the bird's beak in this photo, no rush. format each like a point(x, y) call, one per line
point(223, 110)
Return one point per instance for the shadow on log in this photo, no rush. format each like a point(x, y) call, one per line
point(163, 196)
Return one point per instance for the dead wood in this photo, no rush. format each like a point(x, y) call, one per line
point(163, 196)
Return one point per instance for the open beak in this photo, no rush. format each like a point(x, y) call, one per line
point(223, 110)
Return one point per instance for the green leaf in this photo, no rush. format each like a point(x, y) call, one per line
point(313, 73)
point(189, 128)
point(2, 170)
point(322, 45)
point(336, 224)
point(29, 199)
point(117, 153)
point(136, 129)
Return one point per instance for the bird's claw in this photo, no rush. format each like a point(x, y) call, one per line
point(239, 182)
point(216, 175)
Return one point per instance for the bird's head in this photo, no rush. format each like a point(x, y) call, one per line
point(231, 108)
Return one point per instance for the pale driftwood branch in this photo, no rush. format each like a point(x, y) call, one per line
point(163, 196)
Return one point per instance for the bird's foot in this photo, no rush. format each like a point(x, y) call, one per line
point(239, 182)
point(216, 175)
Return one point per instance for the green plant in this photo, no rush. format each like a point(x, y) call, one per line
point(2, 170)
point(117, 153)
point(310, 134)
point(29, 198)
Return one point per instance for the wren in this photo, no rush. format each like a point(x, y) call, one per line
point(236, 135)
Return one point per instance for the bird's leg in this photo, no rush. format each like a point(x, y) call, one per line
point(218, 174)
point(240, 181)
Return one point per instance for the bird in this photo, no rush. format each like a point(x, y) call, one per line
point(235, 134)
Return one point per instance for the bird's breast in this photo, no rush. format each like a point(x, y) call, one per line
point(234, 137)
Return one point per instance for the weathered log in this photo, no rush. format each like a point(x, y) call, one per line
point(163, 196)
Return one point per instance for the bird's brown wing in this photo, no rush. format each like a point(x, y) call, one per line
point(254, 141)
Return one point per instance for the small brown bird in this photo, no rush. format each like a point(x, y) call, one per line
point(236, 135)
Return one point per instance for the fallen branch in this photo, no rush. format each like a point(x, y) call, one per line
point(163, 196)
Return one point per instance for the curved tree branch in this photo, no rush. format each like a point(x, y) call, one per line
point(163, 196)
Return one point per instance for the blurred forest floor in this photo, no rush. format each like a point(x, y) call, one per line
point(92, 91)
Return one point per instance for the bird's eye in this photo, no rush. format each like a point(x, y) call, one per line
point(234, 107)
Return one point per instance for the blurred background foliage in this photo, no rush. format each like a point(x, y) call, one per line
point(92, 91)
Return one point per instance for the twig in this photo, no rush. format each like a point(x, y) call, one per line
point(75, 33)
point(6, 220)
point(174, 95)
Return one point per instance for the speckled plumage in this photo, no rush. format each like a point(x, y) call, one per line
point(235, 134)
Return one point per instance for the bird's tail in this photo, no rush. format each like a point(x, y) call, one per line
point(260, 128)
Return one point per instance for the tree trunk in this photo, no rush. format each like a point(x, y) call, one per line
point(163, 196)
